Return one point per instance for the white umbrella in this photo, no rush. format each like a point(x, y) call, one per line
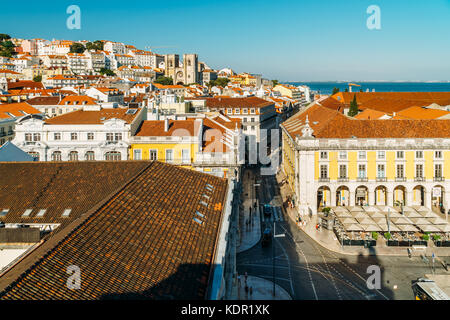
point(370, 209)
point(379, 220)
point(385, 208)
point(437, 220)
point(421, 221)
point(371, 227)
point(348, 220)
point(408, 209)
point(444, 228)
point(428, 228)
point(428, 214)
point(353, 227)
point(413, 214)
point(356, 209)
point(402, 220)
point(392, 227)
point(407, 228)
point(344, 214)
point(339, 209)
point(376, 215)
point(393, 214)
point(421, 208)
point(358, 214)
point(365, 221)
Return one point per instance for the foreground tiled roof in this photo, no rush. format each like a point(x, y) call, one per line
point(43, 101)
point(142, 243)
point(328, 123)
point(155, 128)
point(225, 102)
point(58, 186)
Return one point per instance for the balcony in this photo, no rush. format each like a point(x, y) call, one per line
point(342, 179)
point(419, 179)
point(324, 179)
point(438, 179)
point(362, 179)
point(400, 179)
point(381, 179)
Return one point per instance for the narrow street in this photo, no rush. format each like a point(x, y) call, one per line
point(310, 272)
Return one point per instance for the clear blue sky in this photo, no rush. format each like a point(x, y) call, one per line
point(287, 40)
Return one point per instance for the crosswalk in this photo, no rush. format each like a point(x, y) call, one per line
point(276, 216)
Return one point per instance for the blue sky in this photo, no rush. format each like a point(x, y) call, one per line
point(288, 40)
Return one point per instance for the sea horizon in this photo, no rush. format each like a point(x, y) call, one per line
point(326, 87)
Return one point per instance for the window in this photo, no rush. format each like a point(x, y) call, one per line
point(90, 136)
point(73, 136)
point(342, 171)
point(380, 171)
point(400, 155)
point(323, 155)
point(237, 111)
point(361, 171)
point(419, 154)
point(36, 137)
point(419, 170)
point(56, 156)
point(110, 137)
point(362, 155)
point(113, 156)
point(153, 155)
point(90, 156)
point(323, 171)
point(343, 155)
point(438, 170)
point(230, 111)
point(245, 119)
point(381, 155)
point(169, 155)
point(28, 137)
point(137, 154)
point(185, 155)
point(34, 155)
point(252, 111)
point(438, 154)
point(245, 111)
point(57, 136)
point(118, 136)
point(73, 156)
point(400, 171)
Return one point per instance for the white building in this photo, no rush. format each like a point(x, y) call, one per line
point(94, 133)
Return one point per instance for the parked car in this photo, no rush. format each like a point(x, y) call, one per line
point(267, 237)
point(267, 210)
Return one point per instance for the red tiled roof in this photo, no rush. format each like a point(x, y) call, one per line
point(92, 117)
point(140, 242)
point(15, 109)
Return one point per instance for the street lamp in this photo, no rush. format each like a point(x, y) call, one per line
point(281, 235)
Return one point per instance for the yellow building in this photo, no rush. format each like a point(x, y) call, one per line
point(332, 160)
point(203, 144)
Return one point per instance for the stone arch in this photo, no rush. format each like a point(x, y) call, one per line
point(400, 194)
point(418, 195)
point(437, 200)
point(380, 195)
point(343, 196)
point(361, 195)
point(323, 196)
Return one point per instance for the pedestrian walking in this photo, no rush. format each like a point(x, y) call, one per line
point(251, 291)
point(239, 280)
point(246, 292)
point(245, 276)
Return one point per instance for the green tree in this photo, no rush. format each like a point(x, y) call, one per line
point(275, 83)
point(37, 78)
point(77, 48)
point(335, 90)
point(96, 45)
point(4, 37)
point(107, 72)
point(353, 107)
point(7, 49)
point(219, 82)
point(164, 80)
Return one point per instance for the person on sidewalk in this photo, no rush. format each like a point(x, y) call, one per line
point(239, 280)
point(251, 291)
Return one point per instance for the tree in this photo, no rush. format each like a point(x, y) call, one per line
point(96, 45)
point(7, 48)
point(37, 78)
point(164, 80)
point(219, 82)
point(335, 90)
point(107, 72)
point(4, 37)
point(274, 83)
point(353, 107)
point(77, 48)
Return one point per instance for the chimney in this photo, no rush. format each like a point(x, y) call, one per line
point(166, 124)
